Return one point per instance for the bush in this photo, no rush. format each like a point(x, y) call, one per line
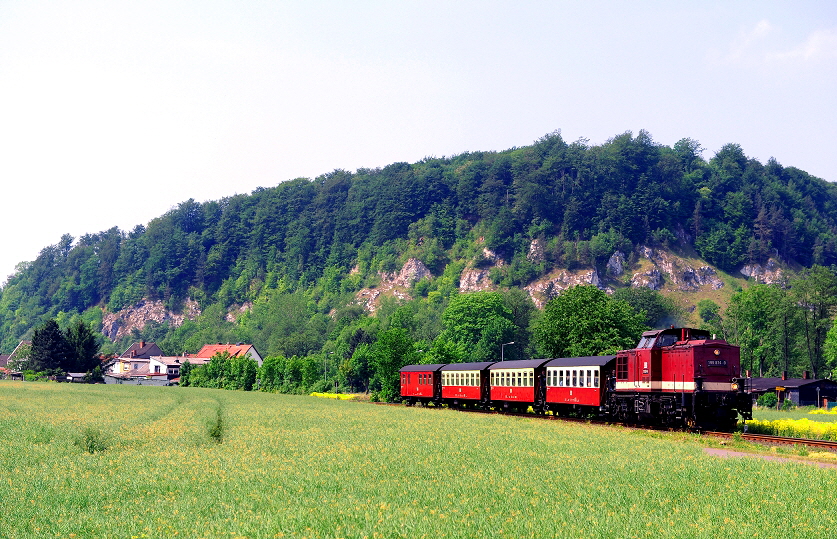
point(768, 400)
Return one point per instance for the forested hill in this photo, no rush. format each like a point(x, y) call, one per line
point(296, 253)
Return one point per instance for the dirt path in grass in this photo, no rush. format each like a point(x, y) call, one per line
point(726, 453)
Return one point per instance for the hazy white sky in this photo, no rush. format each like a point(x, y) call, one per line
point(113, 112)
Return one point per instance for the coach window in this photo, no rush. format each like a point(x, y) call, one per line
point(575, 378)
point(589, 378)
point(596, 378)
point(581, 378)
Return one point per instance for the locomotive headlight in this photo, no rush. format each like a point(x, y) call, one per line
point(734, 386)
point(717, 352)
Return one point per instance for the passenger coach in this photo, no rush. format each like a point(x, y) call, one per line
point(421, 384)
point(516, 385)
point(466, 385)
point(578, 384)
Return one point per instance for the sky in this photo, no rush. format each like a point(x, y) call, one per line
point(112, 113)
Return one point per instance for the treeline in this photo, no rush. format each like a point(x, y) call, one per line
point(303, 248)
point(784, 327)
point(480, 326)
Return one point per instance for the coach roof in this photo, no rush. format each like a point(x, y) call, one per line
point(423, 368)
point(587, 361)
point(521, 364)
point(476, 366)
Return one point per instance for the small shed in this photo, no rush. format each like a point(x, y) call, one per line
point(801, 391)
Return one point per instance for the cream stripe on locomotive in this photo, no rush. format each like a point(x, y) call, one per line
point(675, 386)
point(513, 378)
point(461, 378)
point(572, 377)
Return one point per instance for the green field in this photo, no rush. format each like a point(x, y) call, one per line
point(184, 462)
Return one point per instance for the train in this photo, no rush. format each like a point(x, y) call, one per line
point(675, 377)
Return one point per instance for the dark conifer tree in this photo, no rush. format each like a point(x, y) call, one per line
point(83, 348)
point(49, 348)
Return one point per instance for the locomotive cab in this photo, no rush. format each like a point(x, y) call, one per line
point(681, 376)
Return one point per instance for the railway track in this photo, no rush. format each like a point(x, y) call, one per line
point(775, 440)
point(755, 438)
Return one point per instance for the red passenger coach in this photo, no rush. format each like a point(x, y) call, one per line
point(518, 384)
point(421, 383)
point(465, 384)
point(577, 382)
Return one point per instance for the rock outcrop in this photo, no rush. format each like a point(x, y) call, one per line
point(674, 270)
point(553, 284)
point(394, 284)
point(770, 273)
point(121, 323)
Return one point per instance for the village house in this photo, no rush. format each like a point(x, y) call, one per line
point(234, 350)
point(805, 391)
point(135, 358)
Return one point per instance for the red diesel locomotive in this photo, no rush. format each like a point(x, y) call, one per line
point(674, 377)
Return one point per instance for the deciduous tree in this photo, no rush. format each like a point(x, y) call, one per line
point(585, 321)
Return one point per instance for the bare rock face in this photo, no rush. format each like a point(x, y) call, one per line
point(235, 312)
point(475, 279)
point(652, 279)
point(394, 284)
point(535, 253)
point(616, 264)
point(414, 270)
point(543, 290)
point(768, 274)
point(678, 272)
point(117, 325)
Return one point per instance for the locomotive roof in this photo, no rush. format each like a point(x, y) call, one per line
point(474, 366)
point(422, 368)
point(518, 364)
point(653, 332)
point(593, 361)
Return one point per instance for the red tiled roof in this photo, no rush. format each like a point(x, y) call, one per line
point(233, 350)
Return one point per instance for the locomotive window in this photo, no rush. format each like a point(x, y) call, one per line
point(622, 368)
point(667, 340)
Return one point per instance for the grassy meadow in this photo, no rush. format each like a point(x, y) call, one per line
point(126, 461)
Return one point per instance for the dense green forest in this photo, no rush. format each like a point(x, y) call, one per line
point(296, 254)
